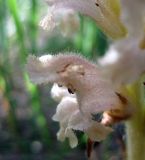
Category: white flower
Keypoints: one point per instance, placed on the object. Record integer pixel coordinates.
(94, 93)
(105, 13)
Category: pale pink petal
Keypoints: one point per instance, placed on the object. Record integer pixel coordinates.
(73, 141)
(59, 92)
(95, 131)
(98, 132)
(65, 108)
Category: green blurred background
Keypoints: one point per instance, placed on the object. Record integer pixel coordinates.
(26, 129)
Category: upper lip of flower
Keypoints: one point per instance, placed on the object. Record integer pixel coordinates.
(105, 13)
(76, 73)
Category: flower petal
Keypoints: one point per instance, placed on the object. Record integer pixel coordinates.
(73, 141)
(98, 132)
(133, 15)
(61, 134)
(59, 92)
(38, 70)
(65, 109)
(104, 12)
(64, 133)
(95, 131)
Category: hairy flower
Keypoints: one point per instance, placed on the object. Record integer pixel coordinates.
(106, 13)
(94, 93)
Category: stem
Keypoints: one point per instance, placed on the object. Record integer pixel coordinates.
(135, 139)
(135, 129)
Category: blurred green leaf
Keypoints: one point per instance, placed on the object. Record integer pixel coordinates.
(13, 7)
(3, 29)
(33, 25)
(38, 114)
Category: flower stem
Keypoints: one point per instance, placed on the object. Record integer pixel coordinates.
(135, 127)
(135, 140)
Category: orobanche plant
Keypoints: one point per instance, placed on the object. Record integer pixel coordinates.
(113, 86)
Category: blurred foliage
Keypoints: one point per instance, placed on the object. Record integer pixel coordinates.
(26, 128)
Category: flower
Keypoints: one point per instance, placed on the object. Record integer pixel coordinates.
(105, 13)
(76, 112)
